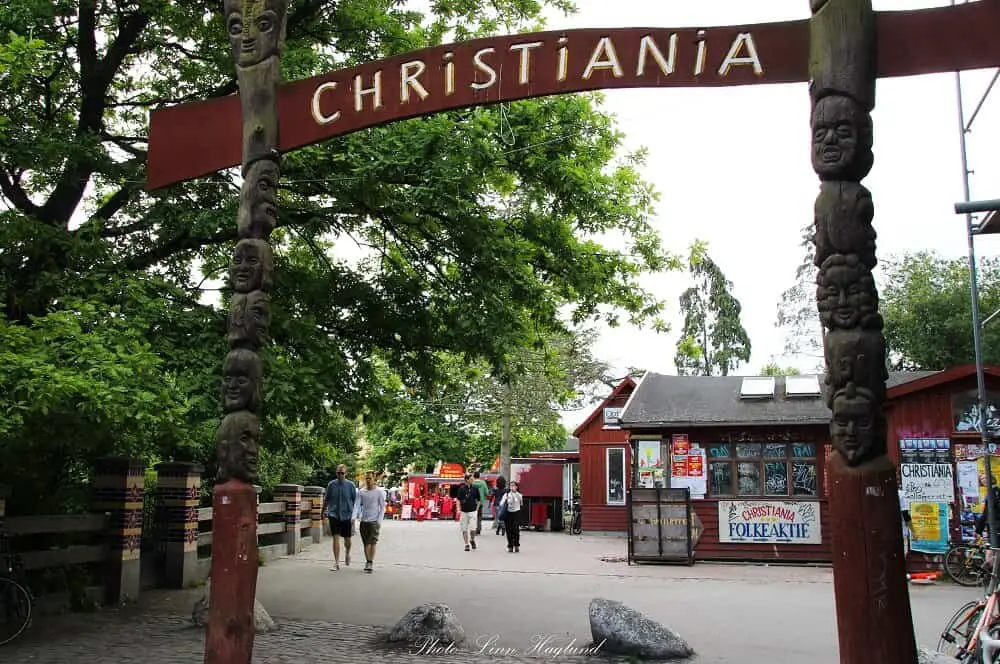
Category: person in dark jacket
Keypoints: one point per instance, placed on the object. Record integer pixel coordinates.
(983, 520)
(498, 491)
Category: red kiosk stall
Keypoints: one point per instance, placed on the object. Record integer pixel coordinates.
(545, 479)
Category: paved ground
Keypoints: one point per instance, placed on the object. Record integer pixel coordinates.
(729, 613)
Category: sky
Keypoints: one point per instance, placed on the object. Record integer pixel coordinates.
(732, 168)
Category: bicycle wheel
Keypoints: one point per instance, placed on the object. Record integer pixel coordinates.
(959, 630)
(964, 565)
(15, 610)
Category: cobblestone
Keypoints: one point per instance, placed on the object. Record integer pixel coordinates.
(134, 637)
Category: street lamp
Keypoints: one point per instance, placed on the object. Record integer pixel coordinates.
(990, 225)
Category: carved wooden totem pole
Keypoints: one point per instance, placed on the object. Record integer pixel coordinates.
(257, 32)
(873, 608)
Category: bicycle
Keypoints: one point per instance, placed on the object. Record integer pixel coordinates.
(15, 600)
(971, 633)
(966, 564)
(576, 527)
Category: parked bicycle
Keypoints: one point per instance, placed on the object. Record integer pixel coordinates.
(15, 600)
(576, 526)
(966, 564)
(970, 636)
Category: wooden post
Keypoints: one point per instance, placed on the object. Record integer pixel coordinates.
(873, 609)
(256, 31)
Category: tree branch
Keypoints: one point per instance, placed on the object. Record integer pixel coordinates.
(15, 194)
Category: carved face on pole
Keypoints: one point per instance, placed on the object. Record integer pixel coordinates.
(842, 139)
(249, 316)
(844, 213)
(845, 294)
(258, 199)
(238, 444)
(242, 374)
(853, 427)
(252, 266)
(256, 29)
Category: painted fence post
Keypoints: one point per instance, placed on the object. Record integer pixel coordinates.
(291, 495)
(315, 497)
(118, 492)
(178, 496)
(873, 608)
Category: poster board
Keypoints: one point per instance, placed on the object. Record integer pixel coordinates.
(650, 465)
(929, 527)
(688, 463)
(661, 525)
(769, 522)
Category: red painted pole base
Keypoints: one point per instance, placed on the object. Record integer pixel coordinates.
(234, 574)
(874, 622)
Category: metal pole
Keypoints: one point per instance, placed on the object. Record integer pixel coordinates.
(977, 339)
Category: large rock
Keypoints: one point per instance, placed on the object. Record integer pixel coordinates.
(262, 621)
(428, 623)
(619, 629)
(928, 656)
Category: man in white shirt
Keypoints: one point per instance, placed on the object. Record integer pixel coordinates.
(370, 509)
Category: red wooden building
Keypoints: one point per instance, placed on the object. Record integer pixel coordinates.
(605, 456)
(934, 437)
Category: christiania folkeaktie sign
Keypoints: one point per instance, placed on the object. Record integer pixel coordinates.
(194, 139)
(769, 522)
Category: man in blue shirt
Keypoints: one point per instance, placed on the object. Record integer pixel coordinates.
(339, 503)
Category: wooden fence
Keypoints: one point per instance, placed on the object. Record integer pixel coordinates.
(105, 551)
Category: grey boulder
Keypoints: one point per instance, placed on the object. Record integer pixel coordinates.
(927, 656)
(262, 621)
(433, 622)
(621, 630)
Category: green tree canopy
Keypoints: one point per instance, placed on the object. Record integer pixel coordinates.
(926, 303)
(773, 369)
(474, 227)
(713, 338)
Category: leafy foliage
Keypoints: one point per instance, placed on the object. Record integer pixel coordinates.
(452, 236)
(926, 303)
(772, 369)
(713, 338)
(797, 313)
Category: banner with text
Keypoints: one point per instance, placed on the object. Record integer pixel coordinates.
(928, 482)
(769, 522)
(929, 527)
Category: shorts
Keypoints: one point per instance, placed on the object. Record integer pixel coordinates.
(369, 532)
(338, 527)
(467, 522)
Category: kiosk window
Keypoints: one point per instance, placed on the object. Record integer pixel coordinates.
(762, 469)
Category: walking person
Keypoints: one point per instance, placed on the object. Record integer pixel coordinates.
(468, 505)
(338, 505)
(370, 510)
(498, 491)
(484, 492)
(512, 502)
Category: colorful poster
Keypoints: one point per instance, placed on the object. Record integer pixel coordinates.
(688, 471)
(680, 444)
(929, 526)
(649, 454)
(928, 482)
(769, 521)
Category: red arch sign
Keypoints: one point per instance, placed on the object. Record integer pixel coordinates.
(195, 139)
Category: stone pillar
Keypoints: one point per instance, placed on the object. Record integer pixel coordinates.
(315, 495)
(291, 495)
(118, 489)
(178, 495)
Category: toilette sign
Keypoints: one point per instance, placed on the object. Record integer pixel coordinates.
(191, 140)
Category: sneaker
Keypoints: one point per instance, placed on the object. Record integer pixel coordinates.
(510, 550)
(336, 566)
(368, 567)
(517, 549)
(466, 547)
(473, 543)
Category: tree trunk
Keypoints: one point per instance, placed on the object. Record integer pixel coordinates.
(505, 442)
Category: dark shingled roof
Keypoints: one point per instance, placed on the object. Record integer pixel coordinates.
(661, 400)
